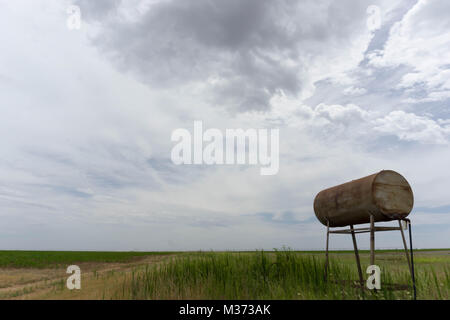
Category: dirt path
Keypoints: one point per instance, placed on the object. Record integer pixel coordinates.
(51, 283)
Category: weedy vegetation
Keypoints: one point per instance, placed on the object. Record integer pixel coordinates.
(277, 275)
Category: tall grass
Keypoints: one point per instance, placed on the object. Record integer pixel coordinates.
(268, 275)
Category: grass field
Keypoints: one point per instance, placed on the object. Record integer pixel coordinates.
(43, 259)
(280, 274)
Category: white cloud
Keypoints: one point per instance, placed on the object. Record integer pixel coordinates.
(354, 91)
(354, 122)
(410, 127)
(420, 41)
(347, 115)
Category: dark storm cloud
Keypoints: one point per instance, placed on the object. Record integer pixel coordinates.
(242, 52)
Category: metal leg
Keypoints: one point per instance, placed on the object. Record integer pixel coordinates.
(326, 252)
(412, 260)
(372, 230)
(404, 245)
(372, 240)
(358, 263)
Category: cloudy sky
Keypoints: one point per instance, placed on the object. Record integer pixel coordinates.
(86, 117)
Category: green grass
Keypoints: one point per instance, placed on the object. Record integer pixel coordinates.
(279, 274)
(275, 275)
(44, 259)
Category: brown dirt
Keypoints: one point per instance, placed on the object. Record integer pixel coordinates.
(28, 283)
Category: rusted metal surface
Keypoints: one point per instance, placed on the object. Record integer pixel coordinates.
(386, 195)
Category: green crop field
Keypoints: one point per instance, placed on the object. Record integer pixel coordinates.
(44, 259)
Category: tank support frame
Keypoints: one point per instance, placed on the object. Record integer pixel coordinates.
(372, 229)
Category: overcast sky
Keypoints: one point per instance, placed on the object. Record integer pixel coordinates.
(86, 117)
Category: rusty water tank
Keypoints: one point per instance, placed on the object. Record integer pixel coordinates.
(386, 195)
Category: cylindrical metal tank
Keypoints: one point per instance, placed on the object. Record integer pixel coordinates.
(386, 195)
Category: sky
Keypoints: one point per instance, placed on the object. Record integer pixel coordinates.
(86, 117)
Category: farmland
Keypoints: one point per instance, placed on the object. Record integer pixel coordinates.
(280, 274)
(42, 259)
